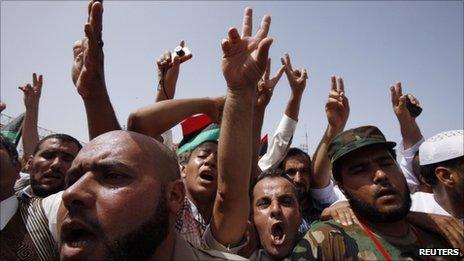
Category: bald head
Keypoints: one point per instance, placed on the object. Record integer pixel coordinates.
(120, 187)
(134, 149)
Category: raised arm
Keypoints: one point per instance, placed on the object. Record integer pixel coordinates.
(411, 135)
(410, 131)
(297, 81)
(281, 140)
(89, 77)
(243, 64)
(154, 119)
(265, 90)
(168, 73)
(337, 110)
(30, 133)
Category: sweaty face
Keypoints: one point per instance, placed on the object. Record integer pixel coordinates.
(375, 185)
(49, 166)
(298, 168)
(276, 215)
(115, 204)
(201, 173)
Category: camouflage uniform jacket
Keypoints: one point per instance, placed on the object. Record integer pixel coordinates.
(329, 240)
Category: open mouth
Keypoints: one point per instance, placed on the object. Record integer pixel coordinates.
(206, 175)
(277, 234)
(76, 236)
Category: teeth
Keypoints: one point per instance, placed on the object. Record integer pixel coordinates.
(78, 244)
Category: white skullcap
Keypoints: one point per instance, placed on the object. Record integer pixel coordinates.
(441, 147)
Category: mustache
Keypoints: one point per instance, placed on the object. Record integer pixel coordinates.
(82, 216)
(53, 174)
(381, 191)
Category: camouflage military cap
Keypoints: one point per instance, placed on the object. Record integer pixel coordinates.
(354, 139)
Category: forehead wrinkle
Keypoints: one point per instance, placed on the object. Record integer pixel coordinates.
(274, 187)
(145, 151)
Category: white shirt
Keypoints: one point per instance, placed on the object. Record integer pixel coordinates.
(329, 194)
(50, 205)
(425, 202)
(8, 208)
(405, 158)
(279, 144)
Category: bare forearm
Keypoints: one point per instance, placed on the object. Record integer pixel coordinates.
(101, 117)
(231, 208)
(321, 162)
(410, 132)
(258, 118)
(293, 106)
(154, 119)
(162, 92)
(30, 133)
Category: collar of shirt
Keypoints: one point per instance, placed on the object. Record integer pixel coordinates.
(26, 193)
(195, 213)
(8, 208)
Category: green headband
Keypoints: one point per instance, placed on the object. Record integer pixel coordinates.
(209, 135)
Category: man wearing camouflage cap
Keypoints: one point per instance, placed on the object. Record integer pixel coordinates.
(364, 166)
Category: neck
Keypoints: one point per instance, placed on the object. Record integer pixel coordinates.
(449, 201)
(392, 229)
(425, 188)
(204, 207)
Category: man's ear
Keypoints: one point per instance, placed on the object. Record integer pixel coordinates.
(183, 173)
(444, 175)
(28, 165)
(175, 195)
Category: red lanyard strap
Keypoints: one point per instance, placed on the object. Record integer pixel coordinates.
(376, 241)
(381, 248)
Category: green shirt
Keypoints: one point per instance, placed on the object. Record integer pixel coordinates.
(329, 240)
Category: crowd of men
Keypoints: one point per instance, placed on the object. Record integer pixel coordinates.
(220, 193)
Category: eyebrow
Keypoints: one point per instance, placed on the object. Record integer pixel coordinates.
(51, 150)
(379, 158)
(286, 195)
(102, 166)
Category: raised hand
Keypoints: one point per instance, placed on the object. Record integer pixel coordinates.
(32, 93)
(337, 107)
(88, 67)
(266, 86)
(168, 71)
(296, 78)
(399, 102)
(245, 57)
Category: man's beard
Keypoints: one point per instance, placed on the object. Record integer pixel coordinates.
(142, 242)
(372, 214)
(42, 192)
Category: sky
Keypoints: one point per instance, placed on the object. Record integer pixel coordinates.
(371, 45)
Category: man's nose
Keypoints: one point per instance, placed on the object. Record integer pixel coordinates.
(380, 176)
(79, 194)
(211, 160)
(276, 210)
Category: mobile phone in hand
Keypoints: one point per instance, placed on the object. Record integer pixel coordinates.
(414, 110)
(184, 53)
